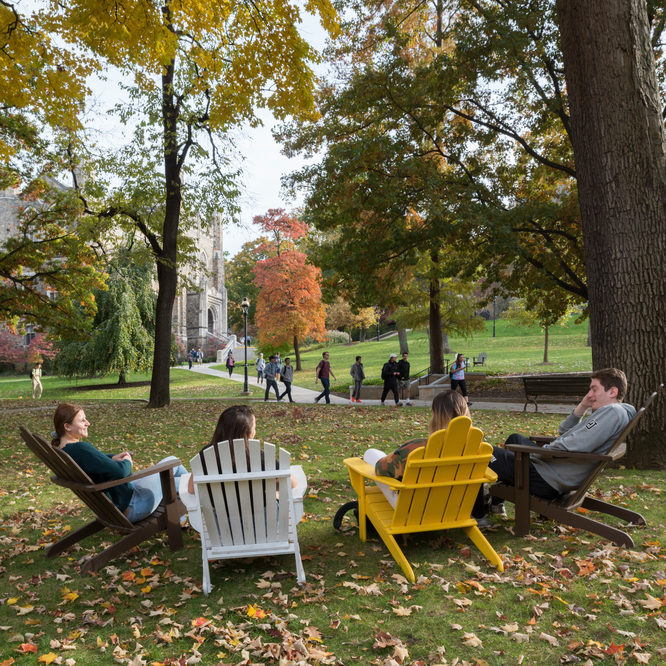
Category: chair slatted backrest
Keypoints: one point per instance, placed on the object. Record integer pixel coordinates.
(619, 446)
(64, 467)
(239, 503)
(456, 457)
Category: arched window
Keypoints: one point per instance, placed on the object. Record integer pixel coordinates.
(211, 321)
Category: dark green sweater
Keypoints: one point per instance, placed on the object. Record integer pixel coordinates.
(100, 468)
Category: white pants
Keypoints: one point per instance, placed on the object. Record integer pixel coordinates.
(371, 456)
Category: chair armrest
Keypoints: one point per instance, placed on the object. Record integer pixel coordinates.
(555, 453)
(98, 487)
(542, 439)
(368, 471)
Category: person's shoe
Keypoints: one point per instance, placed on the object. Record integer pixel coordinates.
(469, 404)
(383, 404)
(357, 400)
(279, 399)
(353, 399)
(482, 523)
(498, 510)
(265, 399)
(408, 404)
(316, 401)
(398, 404)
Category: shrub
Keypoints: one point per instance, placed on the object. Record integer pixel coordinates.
(337, 337)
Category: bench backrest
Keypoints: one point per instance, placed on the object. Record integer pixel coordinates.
(619, 446)
(64, 468)
(557, 385)
(446, 476)
(238, 502)
(482, 357)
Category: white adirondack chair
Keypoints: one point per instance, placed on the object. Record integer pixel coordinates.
(237, 513)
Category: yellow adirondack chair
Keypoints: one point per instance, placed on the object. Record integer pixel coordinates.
(437, 491)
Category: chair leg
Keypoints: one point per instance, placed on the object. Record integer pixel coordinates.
(73, 538)
(129, 541)
(300, 572)
(173, 512)
(594, 504)
(474, 533)
(394, 549)
(206, 571)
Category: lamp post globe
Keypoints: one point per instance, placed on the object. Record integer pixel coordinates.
(245, 306)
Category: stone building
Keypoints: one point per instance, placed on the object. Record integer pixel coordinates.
(200, 317)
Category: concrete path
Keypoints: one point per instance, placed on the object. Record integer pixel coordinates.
(307, 396)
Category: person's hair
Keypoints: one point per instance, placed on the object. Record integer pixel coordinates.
(235, 422)
(65, 413)
(287, 359)
(459, 356)
(445, 407)
(271, 357)
(612, 377)
(36, 364)
(324, 354)
(358, 358)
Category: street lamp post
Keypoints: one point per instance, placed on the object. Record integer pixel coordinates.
(379, 316)
(245, 306)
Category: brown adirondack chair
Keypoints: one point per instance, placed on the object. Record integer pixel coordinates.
(69, 475)
(564, 509)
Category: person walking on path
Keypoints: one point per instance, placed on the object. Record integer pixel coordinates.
(287, 377)
(260, 365)
(403, 379)
(358, 376)
(390, 374)
(230, 363)
(191, 357)
(36, 376)
(458, 376)
(278, 362)
(249, 340)
(271, 373)
(199, 357)
(324, 373)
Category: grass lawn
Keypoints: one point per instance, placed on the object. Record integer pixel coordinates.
(184, 385)
(565, 596)
(512, 351)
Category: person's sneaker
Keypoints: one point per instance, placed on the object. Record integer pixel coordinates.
(469, 404)
(408, 404)
(316, 401)
(357, 400)
(398, 404)
(383, 404)
(498, 510)
(482, 523)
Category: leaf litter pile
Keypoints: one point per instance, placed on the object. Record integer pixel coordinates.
(566, 596)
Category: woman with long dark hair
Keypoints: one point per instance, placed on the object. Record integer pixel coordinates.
(138, 499)
(458, 376)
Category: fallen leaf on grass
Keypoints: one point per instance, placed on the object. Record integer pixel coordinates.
(549, 639)
(471, 640)
(47, 658)
(27, 647)
(652, 603)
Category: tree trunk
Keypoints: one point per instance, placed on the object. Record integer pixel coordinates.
(589, 334)
(402, 339)
(122, 380)
(167, 270)
(446, 345)
(545, 346)
(362, 334)
(436, 349)
(617, 134)
(297, 354)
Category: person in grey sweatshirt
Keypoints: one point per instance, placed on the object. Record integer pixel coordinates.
(358, 375)
(287, 376)
(594, 433)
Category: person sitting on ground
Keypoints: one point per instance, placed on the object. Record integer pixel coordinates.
(138, 499)
(390, 374)
(552, 477)
(445, 407)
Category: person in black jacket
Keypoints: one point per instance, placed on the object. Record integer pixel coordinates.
(390, 374)
(403, 380)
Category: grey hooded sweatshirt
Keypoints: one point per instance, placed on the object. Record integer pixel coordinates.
(592, 434)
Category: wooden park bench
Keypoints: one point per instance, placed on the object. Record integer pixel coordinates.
(538, 386)
(437, 491)
(573, 508)
(107, 515)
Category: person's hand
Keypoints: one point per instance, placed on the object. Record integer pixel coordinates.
(125, 455)
(583, 405)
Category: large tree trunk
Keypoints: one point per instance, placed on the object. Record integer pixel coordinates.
(297, 354)
(618, 139)
(589, 334)
(436, 349)
(446, 345)
(167, 266)
(402, 339)
(545, 346)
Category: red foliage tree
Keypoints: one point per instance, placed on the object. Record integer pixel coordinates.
(284, 229)
(11, 349)
(289, 305)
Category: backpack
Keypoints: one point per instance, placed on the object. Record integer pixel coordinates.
(345, 508)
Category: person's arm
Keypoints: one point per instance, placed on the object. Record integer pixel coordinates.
(317, 373)
(333, 374)
(393, 464)
(603, 425)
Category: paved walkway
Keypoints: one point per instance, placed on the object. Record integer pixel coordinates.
(307, 396)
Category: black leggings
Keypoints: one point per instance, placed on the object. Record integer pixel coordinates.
(455, 383)
(391, 387)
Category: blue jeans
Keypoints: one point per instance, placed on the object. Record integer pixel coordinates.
(147, 493)
(326, 383)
